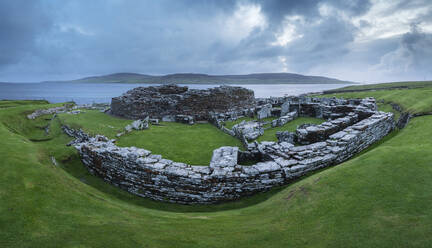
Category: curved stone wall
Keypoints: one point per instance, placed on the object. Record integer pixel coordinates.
(167, 102)
(148, 175)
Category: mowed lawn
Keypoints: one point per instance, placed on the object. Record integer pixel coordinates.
(381, 198)
(192, 144)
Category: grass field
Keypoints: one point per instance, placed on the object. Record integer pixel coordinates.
(192, 144)
(381, 198)
(414, 84)
(415, 101)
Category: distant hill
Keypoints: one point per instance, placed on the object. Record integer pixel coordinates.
(193, 78)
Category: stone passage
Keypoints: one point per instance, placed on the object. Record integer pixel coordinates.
(168, 102)
(356, 125)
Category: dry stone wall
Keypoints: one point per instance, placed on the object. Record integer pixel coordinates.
(172, 102)
(145, 174)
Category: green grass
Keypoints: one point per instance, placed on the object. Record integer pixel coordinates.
(381, 198)
(386, 107)
(8, 104)
(192, 144)
(95, 122)
(270, 134)
(415, 101)
(180, 142)
(413, 84)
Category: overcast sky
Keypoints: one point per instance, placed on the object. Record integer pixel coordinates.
(358, 40)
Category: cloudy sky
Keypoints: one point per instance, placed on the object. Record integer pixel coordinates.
(359, 40)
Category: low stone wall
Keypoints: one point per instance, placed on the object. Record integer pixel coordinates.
(148, 175)
(284, 119)
(314, 133)
(340, 113)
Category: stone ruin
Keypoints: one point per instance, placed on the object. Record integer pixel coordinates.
(177, 103)
(68, 108)
(352, 126)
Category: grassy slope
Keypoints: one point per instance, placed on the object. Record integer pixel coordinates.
(8, 104)
(412, 100)
(179, 142)
(381, 198)
(414, 84)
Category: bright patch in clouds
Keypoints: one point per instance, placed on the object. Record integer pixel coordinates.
(380, 23)
(244, 20)
(290, 31)
(74, 29)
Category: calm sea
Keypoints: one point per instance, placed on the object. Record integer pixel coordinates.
(102, 93)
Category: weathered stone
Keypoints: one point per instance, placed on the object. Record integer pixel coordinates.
(264, 111)
(250, 130)
(149, 175)
(284, 119)
(285, 108)
(286, 136)
(137, 125)
(167, 101)
(225, 156)
(185, 119)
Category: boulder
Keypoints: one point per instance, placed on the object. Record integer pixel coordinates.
(286, 136)
(138, 125)
(250, 130)
(264, 111)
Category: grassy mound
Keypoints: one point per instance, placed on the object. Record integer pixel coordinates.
(192, 144)
(415, 101)
(381, 198)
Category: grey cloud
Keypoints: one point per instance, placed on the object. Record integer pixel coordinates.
(276, 10)
(320, 44)
(73, 38)
(413, 57)
(21, 23)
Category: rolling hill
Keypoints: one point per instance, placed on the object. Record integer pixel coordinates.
(193, 78)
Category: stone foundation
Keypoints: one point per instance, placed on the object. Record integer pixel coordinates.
(148, 175)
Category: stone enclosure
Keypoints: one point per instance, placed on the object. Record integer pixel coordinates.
(352, 126)
(176, 103)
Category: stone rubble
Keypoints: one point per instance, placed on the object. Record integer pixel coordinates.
(287, 117)
(135, 125)
(286, 136)
(49, 111)
(249, 130)
(69, 108)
